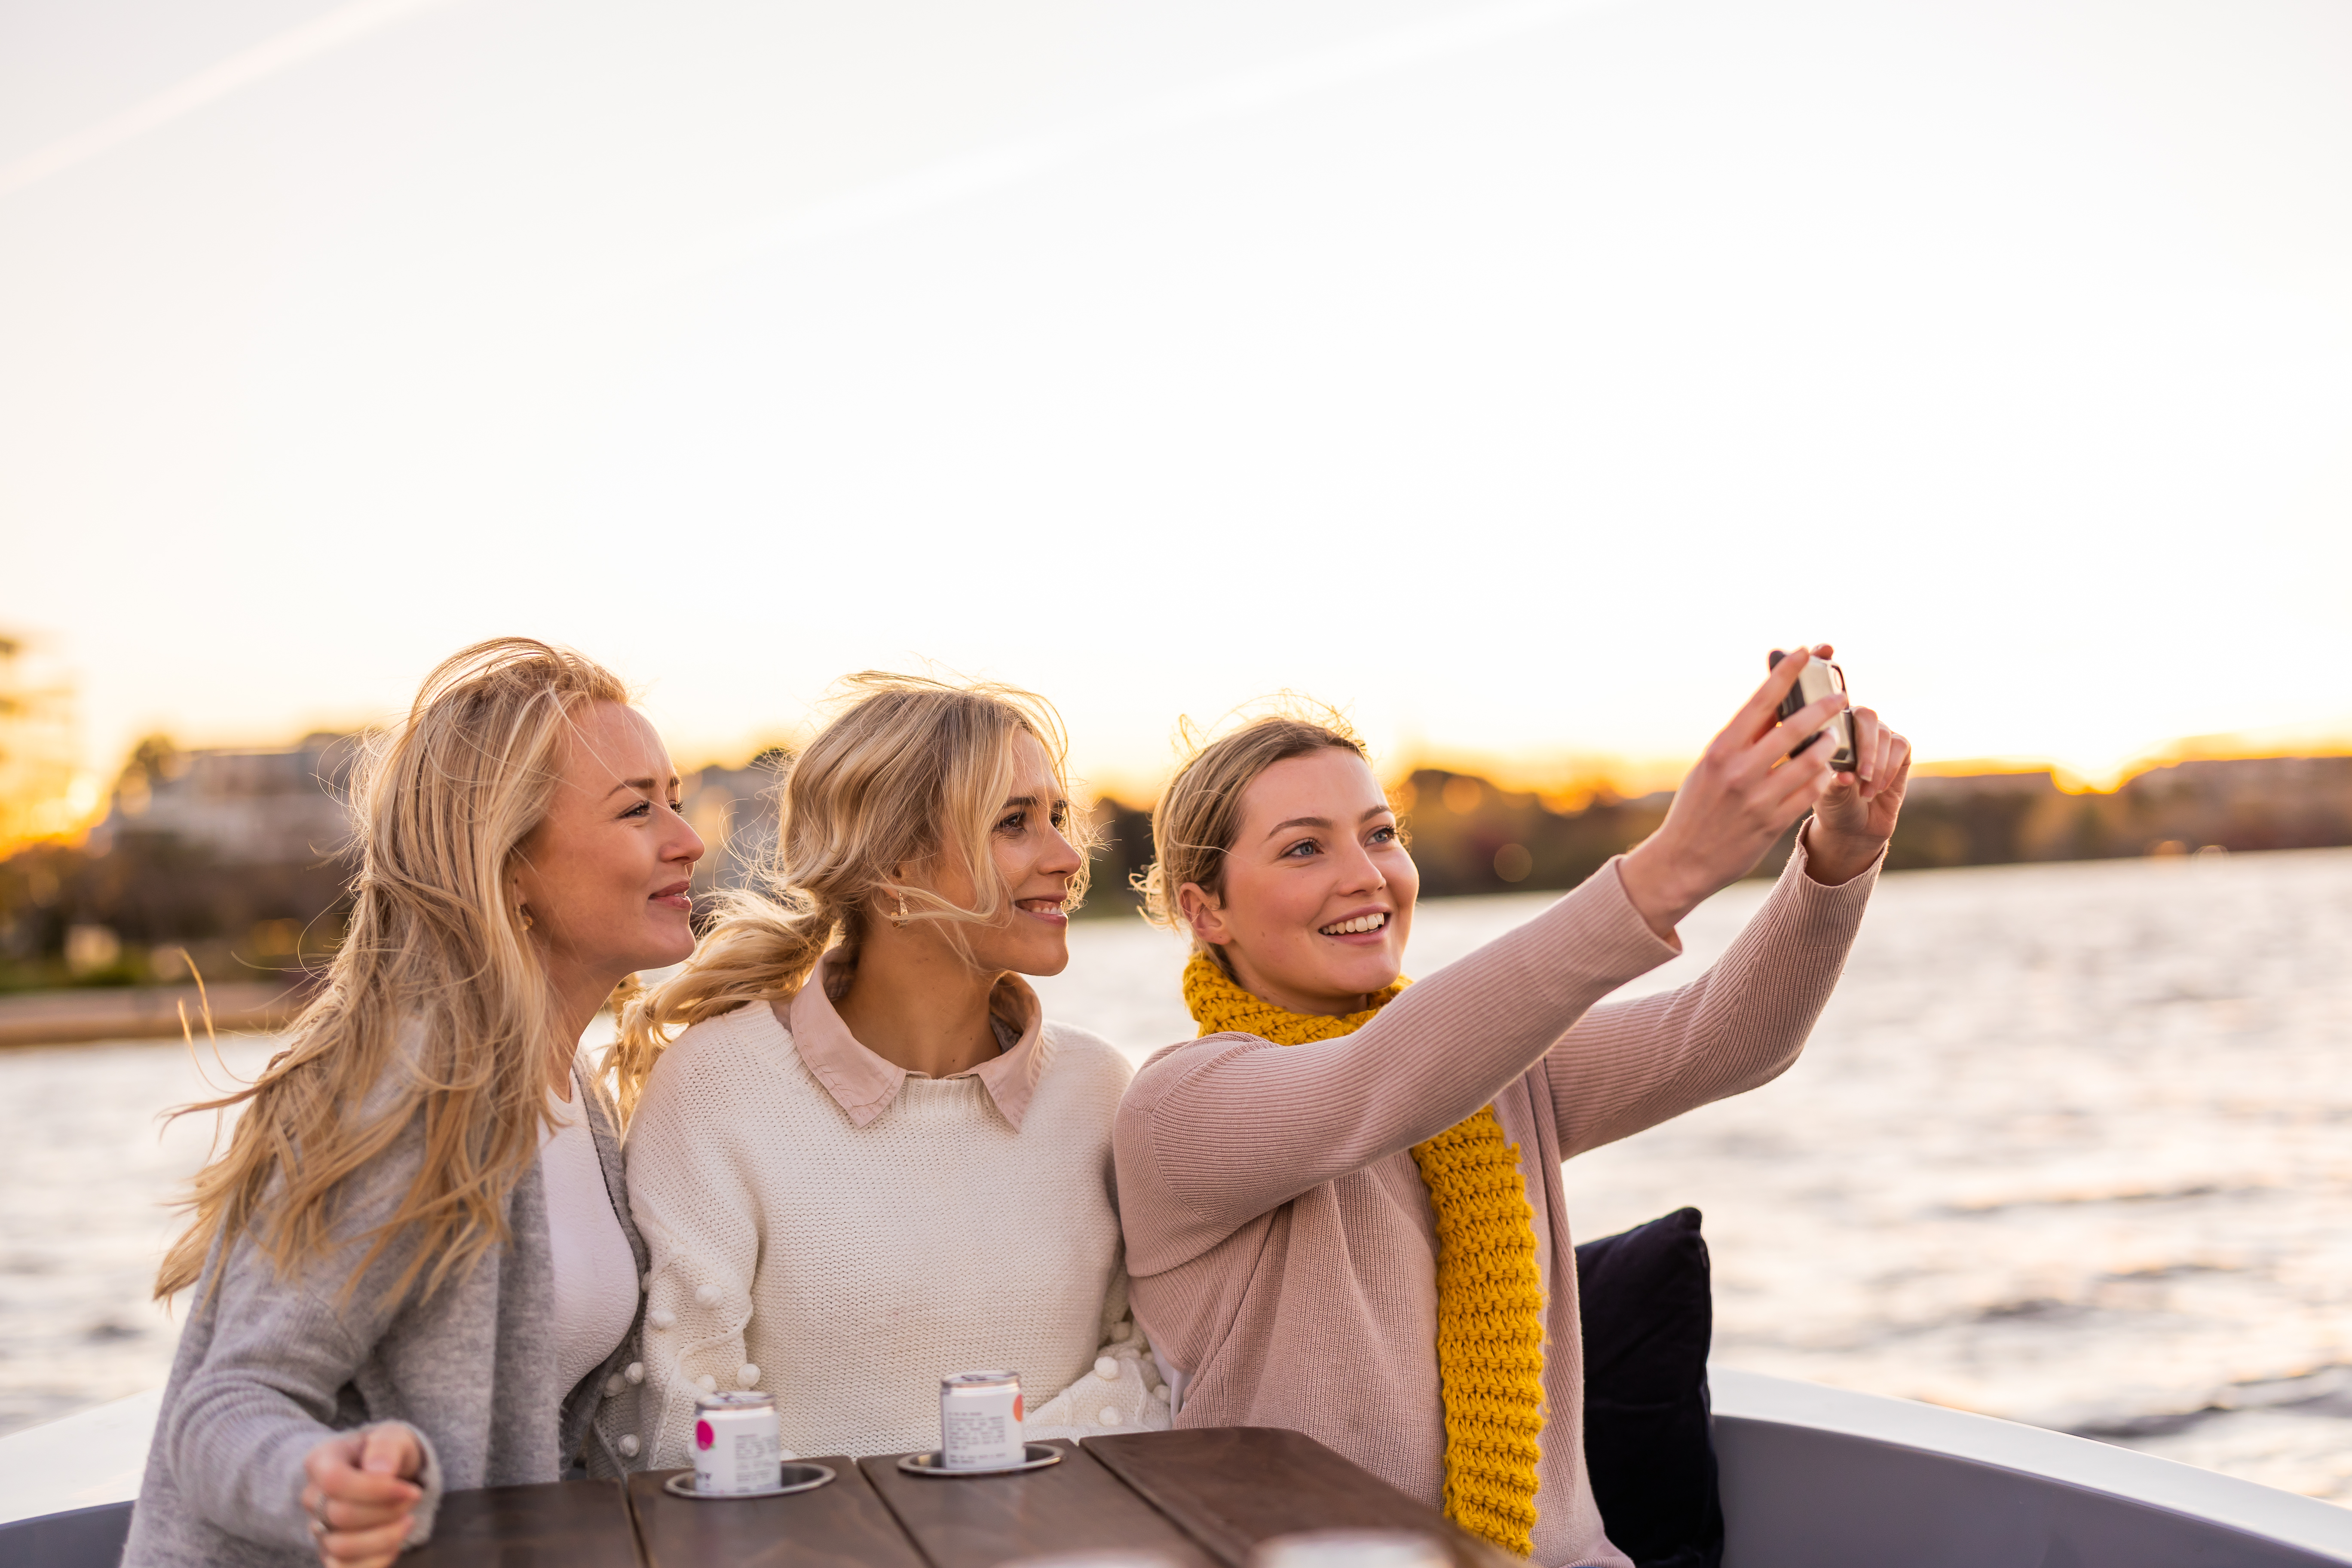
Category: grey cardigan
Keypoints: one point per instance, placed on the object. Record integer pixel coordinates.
(267, 1367)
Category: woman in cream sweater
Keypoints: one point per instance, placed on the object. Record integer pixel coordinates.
(869, 1162)
(1343, 1202)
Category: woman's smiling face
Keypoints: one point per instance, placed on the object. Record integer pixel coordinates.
(1035, 863)
(1317, 893)
(606, 876)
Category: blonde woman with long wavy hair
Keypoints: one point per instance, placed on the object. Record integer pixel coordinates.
(412, 1270)
(869, 1161)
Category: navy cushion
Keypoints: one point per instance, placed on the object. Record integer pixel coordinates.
(83, 1538)
(1648, 1312)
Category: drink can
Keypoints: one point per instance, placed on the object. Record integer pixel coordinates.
(1351, 1549)
(980, 1421)
(736, 1444)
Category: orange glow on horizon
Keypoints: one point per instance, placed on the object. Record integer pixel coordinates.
(1576, 786)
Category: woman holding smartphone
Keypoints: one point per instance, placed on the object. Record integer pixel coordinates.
(869, 1161)
(411, 1272)
(1343, 1203)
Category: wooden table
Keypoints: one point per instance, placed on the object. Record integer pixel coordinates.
(842, 1525)
(1199, 1499)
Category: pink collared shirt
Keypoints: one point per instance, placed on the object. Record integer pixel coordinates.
(863, 1085)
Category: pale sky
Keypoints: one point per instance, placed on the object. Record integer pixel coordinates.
(1514, 373)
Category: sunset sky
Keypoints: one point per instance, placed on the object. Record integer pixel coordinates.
(1515, 373)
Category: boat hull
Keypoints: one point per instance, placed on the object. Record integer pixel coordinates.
(1818, 1477)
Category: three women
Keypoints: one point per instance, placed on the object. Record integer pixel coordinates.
(869, 1157)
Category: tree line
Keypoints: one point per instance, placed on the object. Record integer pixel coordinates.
(174, 869)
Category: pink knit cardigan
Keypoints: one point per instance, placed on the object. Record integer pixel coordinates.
(1279, 1235)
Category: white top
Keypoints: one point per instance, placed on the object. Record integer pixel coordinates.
(845, 1234)
(595, 1273)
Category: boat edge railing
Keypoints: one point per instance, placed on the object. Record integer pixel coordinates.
(2288, 1518)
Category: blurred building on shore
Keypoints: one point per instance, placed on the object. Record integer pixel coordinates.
(236, 861)
(2240, 804)
(238, 808)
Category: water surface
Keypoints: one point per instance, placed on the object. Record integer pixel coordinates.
(2072, 1145)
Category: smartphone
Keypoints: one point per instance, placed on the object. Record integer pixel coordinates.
(1815, 682)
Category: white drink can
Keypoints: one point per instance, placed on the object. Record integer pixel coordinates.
(980, 1421)
(1351, 1549)
(736, 1444)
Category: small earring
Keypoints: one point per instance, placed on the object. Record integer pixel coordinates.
(901, 916)
(522, 913)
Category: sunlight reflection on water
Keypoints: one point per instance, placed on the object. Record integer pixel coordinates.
(2069, 1146)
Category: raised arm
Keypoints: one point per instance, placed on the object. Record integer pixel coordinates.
(1216, 1132)
(1633, 1064)
(1630, 1065)
(701, 1228)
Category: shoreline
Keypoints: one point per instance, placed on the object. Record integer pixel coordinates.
(145, 1011)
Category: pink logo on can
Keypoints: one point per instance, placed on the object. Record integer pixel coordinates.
(703, 1436)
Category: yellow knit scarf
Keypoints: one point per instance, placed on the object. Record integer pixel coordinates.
(1489, 1296)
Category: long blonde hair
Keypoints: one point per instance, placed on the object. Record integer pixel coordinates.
(1198, 814)
(434, 1007)
(909, 770)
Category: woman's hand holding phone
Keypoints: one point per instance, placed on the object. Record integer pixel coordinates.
(362, 1494)
(1854, 816)
(1747, 789)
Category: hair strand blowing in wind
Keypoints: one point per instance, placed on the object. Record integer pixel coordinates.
(434, 1008)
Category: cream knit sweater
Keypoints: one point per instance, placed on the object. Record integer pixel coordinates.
(845, 1268)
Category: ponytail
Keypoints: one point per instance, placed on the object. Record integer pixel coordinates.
(911, 769)
(760, 949)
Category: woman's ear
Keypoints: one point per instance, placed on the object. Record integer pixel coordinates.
(1205, 914)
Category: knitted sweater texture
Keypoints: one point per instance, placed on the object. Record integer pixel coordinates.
(847, 1269)
(270, 1366)
(1281, 1238)
(1489, 1291)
